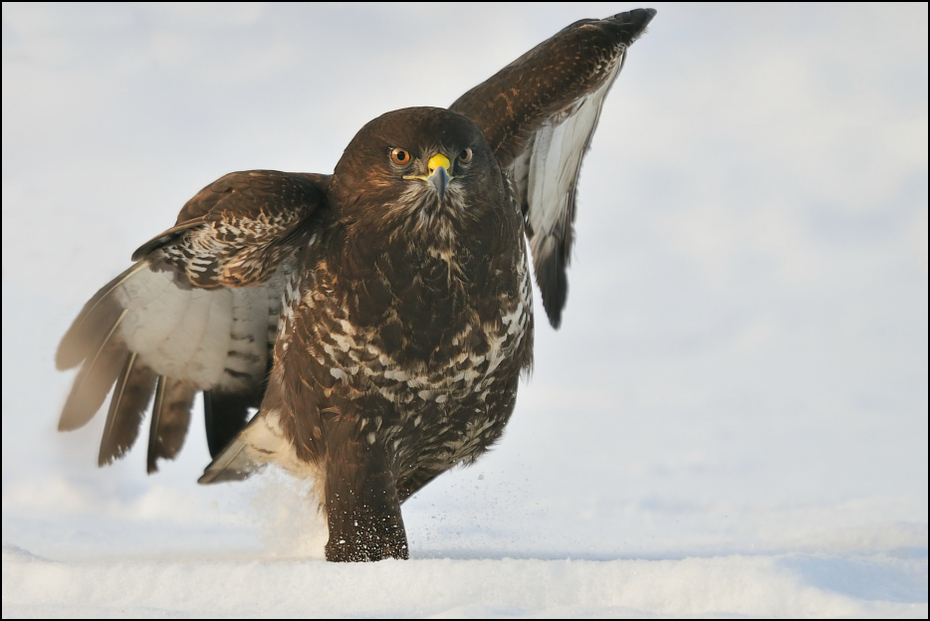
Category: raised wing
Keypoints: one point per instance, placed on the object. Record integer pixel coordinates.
(198, 312)
(538, 114)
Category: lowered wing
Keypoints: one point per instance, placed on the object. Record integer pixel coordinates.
(197, 312)
(538, 114)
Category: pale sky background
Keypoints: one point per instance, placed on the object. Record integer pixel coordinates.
(742, 366)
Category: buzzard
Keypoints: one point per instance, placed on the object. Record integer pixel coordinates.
(379, 318)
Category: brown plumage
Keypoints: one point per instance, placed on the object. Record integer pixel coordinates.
(379, 318)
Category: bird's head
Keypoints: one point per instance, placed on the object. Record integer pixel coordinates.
(421, 169)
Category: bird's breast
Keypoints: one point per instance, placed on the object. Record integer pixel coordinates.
(435, 324)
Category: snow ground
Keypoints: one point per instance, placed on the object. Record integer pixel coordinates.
(731, 422)
(782, 585)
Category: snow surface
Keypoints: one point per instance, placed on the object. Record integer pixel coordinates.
(731, 421)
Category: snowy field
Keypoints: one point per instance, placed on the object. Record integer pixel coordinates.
(731, 421)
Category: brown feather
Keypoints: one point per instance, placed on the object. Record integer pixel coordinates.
(93, 323)
(511, 105)
(171, 416)
(127, 409)
(94, 380)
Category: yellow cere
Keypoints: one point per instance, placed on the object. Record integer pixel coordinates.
(439, 160)
(434, 162)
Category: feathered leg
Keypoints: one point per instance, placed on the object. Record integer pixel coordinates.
(362, 506)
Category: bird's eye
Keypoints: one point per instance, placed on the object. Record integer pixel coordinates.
(400, 156)
(465, 155)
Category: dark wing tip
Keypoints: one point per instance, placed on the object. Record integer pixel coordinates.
(637, 18)
(171, 416)
(554, 301)
(226, 414)
(553, 283)
(627, 27)
(128, 404)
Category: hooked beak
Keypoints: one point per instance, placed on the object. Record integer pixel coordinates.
(438, 174)
(438, 177)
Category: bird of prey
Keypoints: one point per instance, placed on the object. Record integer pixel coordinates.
(378, 318)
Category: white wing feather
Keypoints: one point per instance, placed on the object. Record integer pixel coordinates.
(553, 162)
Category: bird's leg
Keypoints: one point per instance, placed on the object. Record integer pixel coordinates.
(362, 507)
